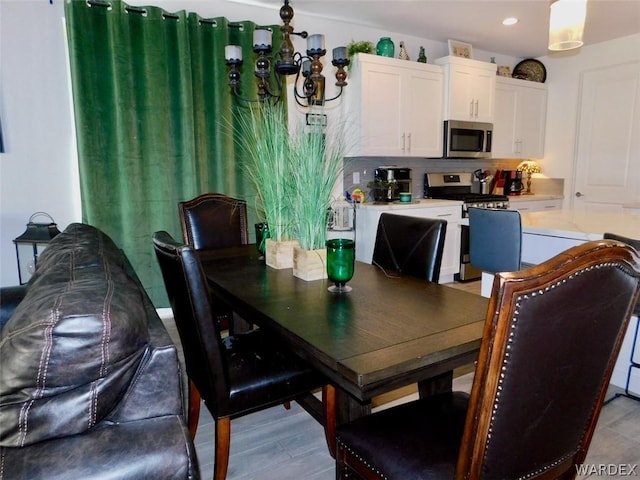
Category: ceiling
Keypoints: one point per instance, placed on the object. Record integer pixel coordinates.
(478, 22)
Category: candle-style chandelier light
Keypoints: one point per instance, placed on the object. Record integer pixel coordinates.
(289, 62)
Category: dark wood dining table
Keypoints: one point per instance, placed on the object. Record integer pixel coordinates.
(388, 332)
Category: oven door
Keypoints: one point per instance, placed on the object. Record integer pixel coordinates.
(467, 271)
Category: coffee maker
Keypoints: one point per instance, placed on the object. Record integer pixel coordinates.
(400, 175)
(512, 182)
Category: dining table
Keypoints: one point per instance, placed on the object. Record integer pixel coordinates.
(389, 331)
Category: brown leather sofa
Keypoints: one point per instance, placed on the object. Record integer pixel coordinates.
(90, 383)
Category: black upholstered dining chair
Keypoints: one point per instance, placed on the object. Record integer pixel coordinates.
(410, 245)
(235, 375)
(214, 220)
(211, 221)
(495, 239)
(634, 365)
(551, 337)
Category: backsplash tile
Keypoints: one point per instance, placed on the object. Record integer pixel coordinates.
(364, 166)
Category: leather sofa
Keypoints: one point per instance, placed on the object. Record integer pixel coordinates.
(90, 383)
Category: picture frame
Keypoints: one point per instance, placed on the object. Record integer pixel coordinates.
(460, 49)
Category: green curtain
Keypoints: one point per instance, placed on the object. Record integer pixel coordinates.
(153, 113)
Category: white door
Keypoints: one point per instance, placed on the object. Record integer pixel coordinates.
(607, 173)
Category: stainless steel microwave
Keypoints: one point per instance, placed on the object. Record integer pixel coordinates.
(467, 139)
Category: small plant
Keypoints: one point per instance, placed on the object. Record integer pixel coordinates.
(360, 47)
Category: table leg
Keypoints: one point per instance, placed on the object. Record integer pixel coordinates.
(442, 383)
(348, 408)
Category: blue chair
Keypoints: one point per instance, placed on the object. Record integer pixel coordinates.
(633, 364)
(495, 239)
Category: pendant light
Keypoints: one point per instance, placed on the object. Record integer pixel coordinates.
(566, 24)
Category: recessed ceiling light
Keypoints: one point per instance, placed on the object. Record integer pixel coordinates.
(510, 21)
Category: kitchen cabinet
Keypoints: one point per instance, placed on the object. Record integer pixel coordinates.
(469, 89)
(394, 108)
(367, 216)
(529, 203)
(520, 119)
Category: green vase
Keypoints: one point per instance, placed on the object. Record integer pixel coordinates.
(385, 47)
(340, 262)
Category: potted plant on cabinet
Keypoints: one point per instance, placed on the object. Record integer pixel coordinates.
(265, 142)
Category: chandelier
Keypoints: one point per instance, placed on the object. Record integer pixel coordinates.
(289, 62)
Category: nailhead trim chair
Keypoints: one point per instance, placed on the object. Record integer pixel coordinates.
(551, 338)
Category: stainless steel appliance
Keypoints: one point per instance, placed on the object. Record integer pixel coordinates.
(400, 175)
(458, 186)
(467, 139)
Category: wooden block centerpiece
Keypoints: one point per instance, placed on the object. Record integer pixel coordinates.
(310, 264)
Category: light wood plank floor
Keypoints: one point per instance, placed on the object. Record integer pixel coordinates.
(289, 444)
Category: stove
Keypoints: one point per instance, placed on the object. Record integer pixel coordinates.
(460, 186)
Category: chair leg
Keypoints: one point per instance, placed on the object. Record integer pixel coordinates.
(223, 440)
(194, 409)
(329, 410)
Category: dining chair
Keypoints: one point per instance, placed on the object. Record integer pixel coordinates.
(214, 220)
(410, 245)
(211, 221)
(550, 341)
(235, 375)
(495, 239)
(633, 363)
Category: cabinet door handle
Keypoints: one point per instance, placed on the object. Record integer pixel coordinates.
(403, 143)
(476, 115)
(471, 108)
(409, 142)
(444, 215)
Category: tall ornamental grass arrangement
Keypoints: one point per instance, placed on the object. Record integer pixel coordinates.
(318, 161)
(265, 142)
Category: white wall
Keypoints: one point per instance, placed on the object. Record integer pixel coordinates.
(563, 80)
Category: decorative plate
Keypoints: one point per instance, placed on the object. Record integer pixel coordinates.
(530, 69)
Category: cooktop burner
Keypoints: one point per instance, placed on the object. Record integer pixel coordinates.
(470, 197)
(458, 186)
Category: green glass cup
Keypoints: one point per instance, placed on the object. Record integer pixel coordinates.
(341, 256)
(262, 233)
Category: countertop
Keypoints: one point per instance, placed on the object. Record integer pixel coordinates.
(416, 203)
(580, 225)
(533, 198)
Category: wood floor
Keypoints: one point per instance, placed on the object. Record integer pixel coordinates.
(289, 444)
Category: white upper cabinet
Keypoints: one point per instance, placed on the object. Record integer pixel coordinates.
(394, 107)
(469, 89)
(520, 119)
